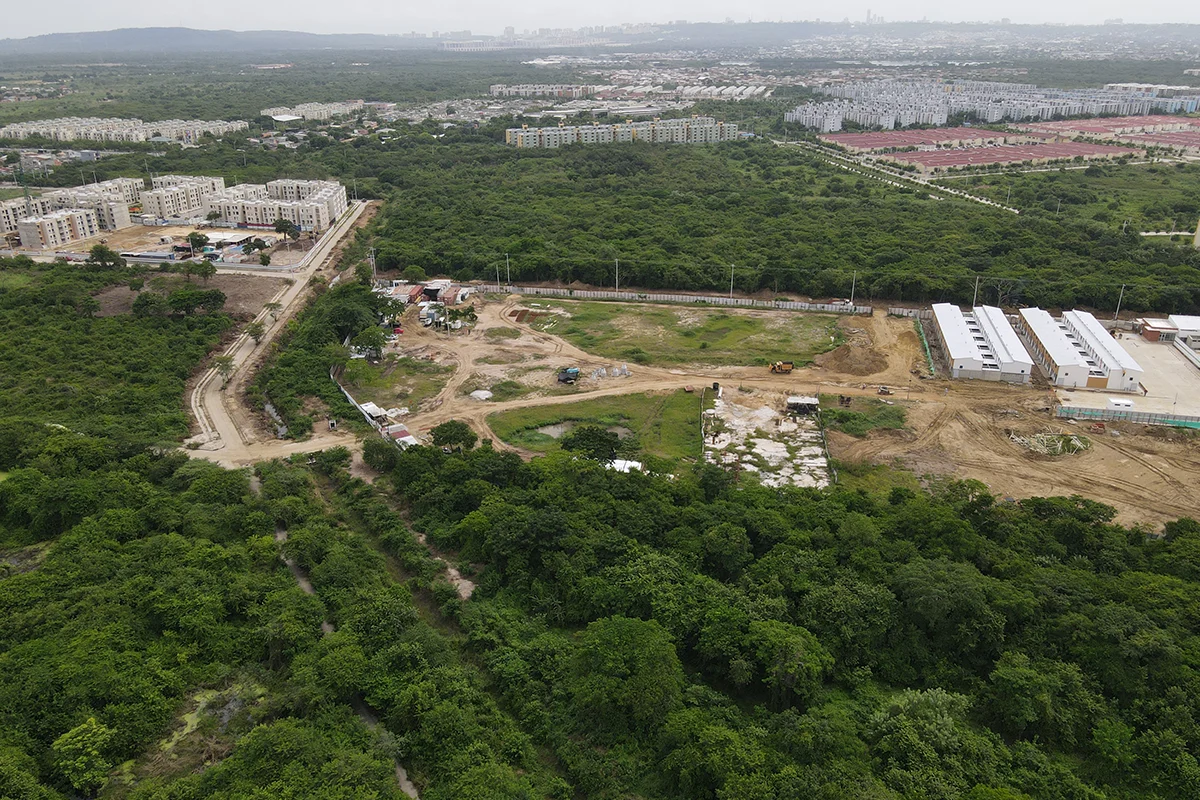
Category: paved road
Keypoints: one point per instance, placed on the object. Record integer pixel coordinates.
(220, 438)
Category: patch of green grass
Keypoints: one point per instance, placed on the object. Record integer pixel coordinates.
(501, 333)
(864, 415)
(645, 334)
(14, 280)
(397, 381)
(508, 390)
(9, 192)
(874, 478)
(666, 425)
(3, 475)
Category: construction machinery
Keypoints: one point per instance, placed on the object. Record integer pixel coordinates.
(884, 390)
(568, 375)
(783, 367)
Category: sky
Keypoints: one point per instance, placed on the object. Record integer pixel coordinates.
(488, 17)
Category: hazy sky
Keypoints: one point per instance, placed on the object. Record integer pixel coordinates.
(27, 18)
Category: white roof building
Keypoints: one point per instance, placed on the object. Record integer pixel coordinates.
(1078, 352)
(1188, 326)
(981, 344)
(1104, 353)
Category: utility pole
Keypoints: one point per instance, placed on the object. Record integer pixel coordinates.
(1009, 196)
(497, 274)
(371, 256)
(976, 295)
(1059, 207)
(617, 262)
(507, 270)
(853, 285)
(731, 281)
(1119, 299)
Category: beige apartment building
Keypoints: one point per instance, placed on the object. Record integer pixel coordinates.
(58, 228)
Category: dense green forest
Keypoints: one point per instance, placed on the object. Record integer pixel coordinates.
(693, 638)
(678, 217)
(155, 647)
(1152, 197)
(122, 377)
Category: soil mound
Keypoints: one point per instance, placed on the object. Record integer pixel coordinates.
(853, 360)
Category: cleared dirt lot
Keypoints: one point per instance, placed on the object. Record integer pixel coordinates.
(245, 294)
(955, 428)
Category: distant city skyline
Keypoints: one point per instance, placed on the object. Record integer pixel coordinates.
(372, 16)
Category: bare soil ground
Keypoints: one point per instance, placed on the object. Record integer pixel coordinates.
(955, 428)
(245, 294)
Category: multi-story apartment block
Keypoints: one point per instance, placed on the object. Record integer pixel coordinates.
(316, 111)
(180, 196)
(889, 104)
(58, 228)
(67, 129)
(17, 209)
(112, 212)
(696, 130)
(309, 205)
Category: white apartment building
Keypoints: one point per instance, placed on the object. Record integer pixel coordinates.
(1077, 351)
(316, 111)
(17, 209)
(112, 212)
(67, 129)
(179, 196)
(889, 104)
(58, 228)
(309, 205)
(696, 130)
(981, 344)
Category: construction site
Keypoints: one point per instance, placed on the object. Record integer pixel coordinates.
(518, 377)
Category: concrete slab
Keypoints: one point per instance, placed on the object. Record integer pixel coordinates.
(1173, 382)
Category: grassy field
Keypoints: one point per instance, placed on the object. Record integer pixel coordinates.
(644, 334)
(1152, 197)
(864, 415)
(396, 381)
(9, 192)
(14, 280)
(874, 478)
(666, 425)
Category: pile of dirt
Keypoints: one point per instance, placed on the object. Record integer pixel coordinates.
(853, 360)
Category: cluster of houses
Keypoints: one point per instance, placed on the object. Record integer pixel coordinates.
(430, 297)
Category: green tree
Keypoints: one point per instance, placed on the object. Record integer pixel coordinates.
(79, 756)
(151, 304)
(454, 433)
(104, 257)
(372, 340)
(626, 676)
(592, 441)
(197, 241)
(224, 366)
(256, 330)
(264, 259)
(205, 270)
(414, 274)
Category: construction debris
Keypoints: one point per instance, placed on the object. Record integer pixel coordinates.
(1051, 443)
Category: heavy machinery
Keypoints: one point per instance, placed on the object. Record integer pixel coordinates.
(568, 375)
(783, 367)
(884, 390)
